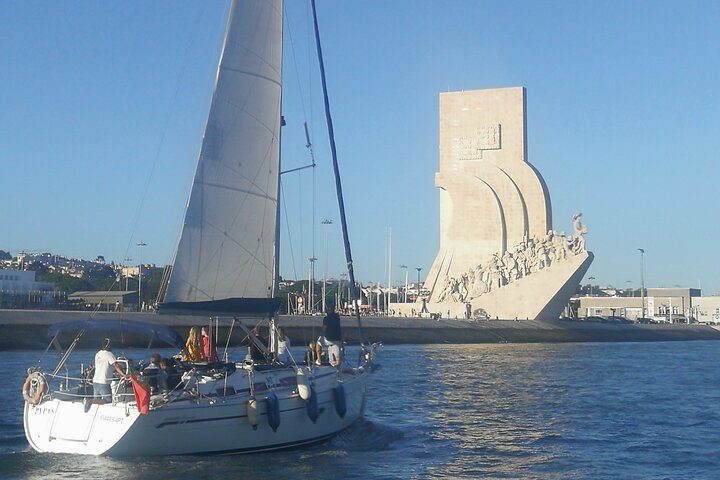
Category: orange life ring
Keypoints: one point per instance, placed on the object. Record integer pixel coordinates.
(34, 388)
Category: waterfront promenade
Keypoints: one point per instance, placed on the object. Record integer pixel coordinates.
(27, 329)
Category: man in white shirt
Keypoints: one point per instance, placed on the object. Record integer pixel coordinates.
(105, 362)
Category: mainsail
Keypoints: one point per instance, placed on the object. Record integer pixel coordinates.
(225, 257)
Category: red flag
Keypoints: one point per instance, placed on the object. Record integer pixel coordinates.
(142, 395)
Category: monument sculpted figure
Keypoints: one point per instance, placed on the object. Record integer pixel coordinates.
(578, 231)
(530, 256)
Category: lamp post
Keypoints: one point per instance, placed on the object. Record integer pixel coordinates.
(140, 244)
(405, 267)
(629, 282)
(311, 286)
(418, 283)
(326, 222)
(127, 261)
(343, 283)
(590, 279)
(642, 279)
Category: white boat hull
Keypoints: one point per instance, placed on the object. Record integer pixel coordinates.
(209, 425)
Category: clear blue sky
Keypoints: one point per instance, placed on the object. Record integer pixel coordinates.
(100, 99)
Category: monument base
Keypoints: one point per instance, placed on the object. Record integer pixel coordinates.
(540, 296)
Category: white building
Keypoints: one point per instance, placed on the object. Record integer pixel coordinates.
(662, 304)
(22, 282)
(707, 309)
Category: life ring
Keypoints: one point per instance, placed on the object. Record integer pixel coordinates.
(34, 388)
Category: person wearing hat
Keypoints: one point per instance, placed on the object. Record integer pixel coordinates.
(105, 362)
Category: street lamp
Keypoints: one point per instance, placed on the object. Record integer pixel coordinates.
(418, 283)
(405, 267)
(343, 283)
(642, 279)
(326, 222)
(590, 279)
(140, 244)
(127, 261)
(311, 286)
(629, 282)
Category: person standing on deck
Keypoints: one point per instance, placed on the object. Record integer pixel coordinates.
(105, 362)
(332, 333)
(209, 352)
(193, 347)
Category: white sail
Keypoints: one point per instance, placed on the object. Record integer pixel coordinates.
(227, 241)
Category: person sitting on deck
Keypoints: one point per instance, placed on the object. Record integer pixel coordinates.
(208, 346)
(314, 354)
(254, 352)
(310, 354)
(150, 373)
(168, 377)
(193, 348)
(320, 357)
(105, 362)
(283, 347)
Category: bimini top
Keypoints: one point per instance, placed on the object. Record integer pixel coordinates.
(151, 330)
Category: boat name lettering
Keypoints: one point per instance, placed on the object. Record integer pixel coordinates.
(44, 410)
(107, 418)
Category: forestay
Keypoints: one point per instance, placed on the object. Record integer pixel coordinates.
(224, 260)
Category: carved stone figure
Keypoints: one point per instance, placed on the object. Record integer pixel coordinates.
(561, 248)
(578, 231)
(529, 256)
(445, 290)
(543, 259)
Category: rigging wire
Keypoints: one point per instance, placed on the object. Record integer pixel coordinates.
(295, 64)
(156, 158)
(163, 135)
(287, 224)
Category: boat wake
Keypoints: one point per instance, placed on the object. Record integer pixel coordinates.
(367, 436)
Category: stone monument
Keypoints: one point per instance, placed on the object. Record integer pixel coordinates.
(499, 256)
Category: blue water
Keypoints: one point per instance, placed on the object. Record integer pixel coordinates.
(622, 410)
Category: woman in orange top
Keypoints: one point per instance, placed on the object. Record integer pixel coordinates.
(193, 347)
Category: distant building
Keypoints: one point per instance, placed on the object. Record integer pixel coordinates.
(707, 309)
(18, 289)
(117, 301)
(660, 303)
(20, 282)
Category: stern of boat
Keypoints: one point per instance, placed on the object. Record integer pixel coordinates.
(61, 426)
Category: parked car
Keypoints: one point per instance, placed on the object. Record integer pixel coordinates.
(616, 319)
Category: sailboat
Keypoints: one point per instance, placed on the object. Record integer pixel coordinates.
(226, 265)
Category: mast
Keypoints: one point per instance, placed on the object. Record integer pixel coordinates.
(275, 292)
(336, 170)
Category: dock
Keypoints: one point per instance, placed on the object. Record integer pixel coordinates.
(27, 329)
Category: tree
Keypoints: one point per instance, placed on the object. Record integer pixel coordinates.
(101, 277)
(38, 268)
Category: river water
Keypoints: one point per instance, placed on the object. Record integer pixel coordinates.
(613, 410)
